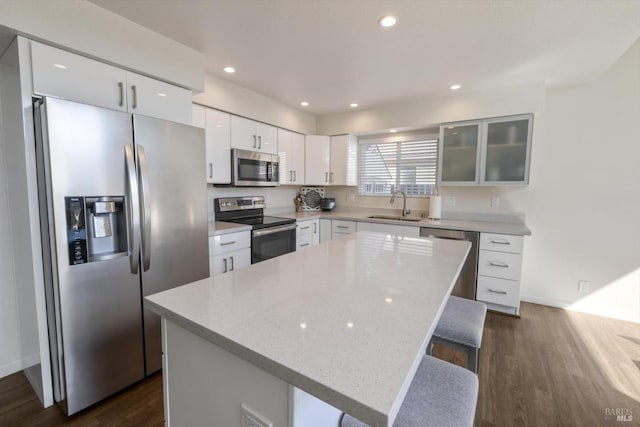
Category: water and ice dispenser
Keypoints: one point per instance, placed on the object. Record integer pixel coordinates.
(96, 228)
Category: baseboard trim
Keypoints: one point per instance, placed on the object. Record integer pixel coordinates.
(10, 368)
(567, 305)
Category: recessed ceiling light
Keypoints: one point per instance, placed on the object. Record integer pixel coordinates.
(393, 130)
(163, 95)
(388, 21)
(62, 67)
(455, 87)
(229, 70)
(353, 105)
(303, 325)
(388, 300)
(349, 324)
(304, 103)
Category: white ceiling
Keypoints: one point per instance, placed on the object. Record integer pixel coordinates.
(332, 52)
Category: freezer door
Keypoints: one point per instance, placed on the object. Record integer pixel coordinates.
(173, 200)
(96, 298)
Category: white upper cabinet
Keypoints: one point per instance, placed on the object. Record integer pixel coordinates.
(61, 74)
(291, 157)
(344, 160)
(218, 139)
(486, 152)
(317, 159)
(153, 98)
(198, 115)
(251, 135)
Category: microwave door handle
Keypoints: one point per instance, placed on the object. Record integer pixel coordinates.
(133, 209)
(145, 212)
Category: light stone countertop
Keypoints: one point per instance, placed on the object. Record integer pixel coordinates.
(483, 225)
(347, 321)
(217, 228)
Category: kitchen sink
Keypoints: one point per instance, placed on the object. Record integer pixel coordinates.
(394, 218)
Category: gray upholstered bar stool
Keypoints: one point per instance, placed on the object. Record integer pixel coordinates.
(441, 395)
(460, 327)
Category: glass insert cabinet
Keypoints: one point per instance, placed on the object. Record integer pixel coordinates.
(486, 152)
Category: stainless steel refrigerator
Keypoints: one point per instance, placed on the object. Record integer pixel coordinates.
(123, 208)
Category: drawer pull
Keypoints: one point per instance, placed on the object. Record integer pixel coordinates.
(227, 243)
(497, 291)
(231, 258)
(341, 226)
(305, 228)
(304, 244)
(500, 241)
(225, 265)
(498, 264)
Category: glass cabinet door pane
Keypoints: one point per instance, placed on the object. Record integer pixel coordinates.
(459, 153)
(506, 154)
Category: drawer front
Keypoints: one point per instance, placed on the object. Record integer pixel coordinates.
(343, 227)
(498, 291)
(501, 242)
(229, 242)
(304, 227)
(499, 264)
(304, 241)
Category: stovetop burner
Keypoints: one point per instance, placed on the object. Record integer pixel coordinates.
(247, 211)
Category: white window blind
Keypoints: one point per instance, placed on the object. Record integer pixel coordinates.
(408, 166)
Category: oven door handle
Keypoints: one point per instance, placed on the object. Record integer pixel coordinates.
(264, 232)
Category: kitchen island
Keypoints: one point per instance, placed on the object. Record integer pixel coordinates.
(341, 325)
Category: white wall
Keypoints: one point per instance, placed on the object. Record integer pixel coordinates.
(83, 27)
(583, 201)
(420, 114)
(235, 99)
(10, 359)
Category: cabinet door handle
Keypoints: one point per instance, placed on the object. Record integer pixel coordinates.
(225, 264)
(303, 245)
(326, 177)
(259, 142)
(135, 97)
(290, 176)
(121, 90)
(330, 177)
(498, 264)
(500, 241)
(210, 170)
(295, 175)
(231, 258)
(255, 143)
(305, 228)
(315, 228)
(227, 243)
(497, 291)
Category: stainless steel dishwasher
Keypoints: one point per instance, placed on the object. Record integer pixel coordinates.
(465, 287)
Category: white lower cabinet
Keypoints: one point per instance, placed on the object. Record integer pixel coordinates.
(307, 234)
(398, 230)
(341, 228)
(229, 252)
(499, 271)
(325, 230)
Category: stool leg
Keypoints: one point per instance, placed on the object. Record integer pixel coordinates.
(472, 359)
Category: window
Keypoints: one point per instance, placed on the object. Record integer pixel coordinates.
(402, 163)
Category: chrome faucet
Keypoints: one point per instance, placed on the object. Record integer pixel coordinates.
(405, 211)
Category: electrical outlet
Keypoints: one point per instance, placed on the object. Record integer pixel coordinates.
(584, 286)
(251, 418)
(450, 201)
(495, 202)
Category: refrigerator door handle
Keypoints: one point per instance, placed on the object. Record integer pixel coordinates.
(145, 212)
(134, 209)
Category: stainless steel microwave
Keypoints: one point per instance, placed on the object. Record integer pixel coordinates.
(253, 169)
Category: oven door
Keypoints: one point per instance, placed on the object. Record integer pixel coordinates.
(251, 168)
(272, 242)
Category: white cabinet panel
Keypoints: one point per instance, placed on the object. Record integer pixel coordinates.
(341, 228)
(398, 230)
(291, 157)
(251, 135)
(317, 159)
(304, 241)
(61, 74)
(153, 98)
(218, 139)
(344, 160)
(229, 242)
(325, 230)
(198, 115)
(501, 242)
(315, 234)
(498, 291)
(307, 233)
(230, 261)
(499, 264)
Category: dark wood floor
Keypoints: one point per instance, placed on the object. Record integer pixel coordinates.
(551, 367)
